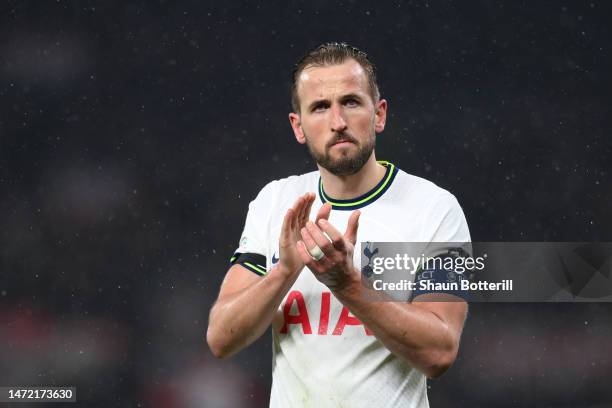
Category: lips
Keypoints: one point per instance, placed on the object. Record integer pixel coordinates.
(342, 143)
(342, 140)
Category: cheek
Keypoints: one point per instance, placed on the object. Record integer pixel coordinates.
(314, 127)
(362, 121)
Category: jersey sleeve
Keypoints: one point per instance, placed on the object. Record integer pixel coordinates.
(448, 224)
(251, 252)
(447, 221)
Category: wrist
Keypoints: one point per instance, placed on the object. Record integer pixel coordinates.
(351, 286)
(281, 270)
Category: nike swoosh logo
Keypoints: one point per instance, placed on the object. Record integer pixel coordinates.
(274, 258)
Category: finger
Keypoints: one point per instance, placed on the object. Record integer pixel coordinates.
(286, 228)
(308, 240)
(320, 239)
(337, 239)
(314, 266)
(310, 200)
(351, 228)
(299, 204)
(324, 212)
(303, 253)
(297, 208)
(305, 210)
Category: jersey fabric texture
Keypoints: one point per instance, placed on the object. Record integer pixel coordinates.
(323, 355)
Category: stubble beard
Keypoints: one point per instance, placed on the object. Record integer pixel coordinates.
(348, 163)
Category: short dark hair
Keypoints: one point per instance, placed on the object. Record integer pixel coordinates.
(334, 53)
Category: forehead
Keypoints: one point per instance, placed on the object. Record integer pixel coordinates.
(331, 80)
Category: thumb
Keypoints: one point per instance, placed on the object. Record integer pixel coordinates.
(323, 213)
(351, 228)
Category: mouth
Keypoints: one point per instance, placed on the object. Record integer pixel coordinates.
(341, 140)
(342, 143)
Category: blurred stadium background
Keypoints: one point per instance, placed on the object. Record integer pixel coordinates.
(134, 134)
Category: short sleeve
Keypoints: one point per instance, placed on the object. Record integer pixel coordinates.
(251, 252)
(447, 221)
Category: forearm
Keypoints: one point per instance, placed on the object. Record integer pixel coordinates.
(412, 332)
(246, 306)
(239, 319)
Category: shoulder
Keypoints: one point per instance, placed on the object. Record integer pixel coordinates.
(276, 191)
(417, 189)
(438, 211)
(296, 182)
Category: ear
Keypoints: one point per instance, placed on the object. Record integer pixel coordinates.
(380, 116)
(296, 125)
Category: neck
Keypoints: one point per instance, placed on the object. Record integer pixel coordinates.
(347, 187)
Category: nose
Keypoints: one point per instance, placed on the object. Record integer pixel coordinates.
(338, 124)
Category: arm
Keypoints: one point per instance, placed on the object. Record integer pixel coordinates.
(246, 303)
(244, 308)
(426, 334)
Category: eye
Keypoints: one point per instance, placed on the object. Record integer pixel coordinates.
(320, 107)
(351, 102)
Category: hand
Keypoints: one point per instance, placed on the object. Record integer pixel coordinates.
(335, 269)
(295, 219)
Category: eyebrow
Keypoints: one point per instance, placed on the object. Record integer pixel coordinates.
(351, 96)
(317, 102)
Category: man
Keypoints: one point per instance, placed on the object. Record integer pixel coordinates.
(332, 346)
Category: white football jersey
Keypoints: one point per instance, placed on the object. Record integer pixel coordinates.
(323, 355)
